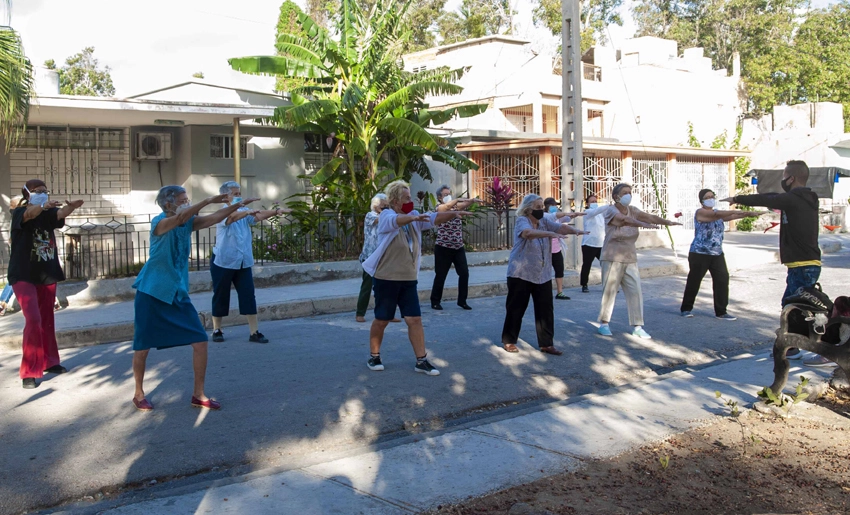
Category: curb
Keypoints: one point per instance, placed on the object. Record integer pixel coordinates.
(111, 333)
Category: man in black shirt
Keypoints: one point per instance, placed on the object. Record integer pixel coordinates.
(798, 230)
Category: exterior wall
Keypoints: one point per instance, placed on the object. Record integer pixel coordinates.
(147, 177)
(107, 197)
(270, 175)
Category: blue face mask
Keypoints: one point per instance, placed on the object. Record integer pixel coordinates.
(553, 209)
(235, 201)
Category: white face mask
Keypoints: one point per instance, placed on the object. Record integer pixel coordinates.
(183, 207)
(447, 199)
(709, 203)
(593, 205)
(626, 199)
(37, 199)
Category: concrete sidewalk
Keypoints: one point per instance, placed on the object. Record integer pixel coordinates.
(92, 324)
(423, 471)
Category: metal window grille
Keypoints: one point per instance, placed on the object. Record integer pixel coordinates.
(601, 173)
(642, 186)
(519, 119)
(591, 72)
(692, 175)
(550, 120)
(518, 169)
(221, 147)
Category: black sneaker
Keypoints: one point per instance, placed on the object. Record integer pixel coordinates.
(465, 306)
(423, 367)
(56, 369)
(258, 338)
(437, 306)
(30, 383)
(585, 289)
(218, 336)
(375, 364)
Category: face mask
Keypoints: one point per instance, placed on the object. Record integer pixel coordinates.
(785, 185)
(709, 203)
(183, 207)
(407, 208)
(37, 199)
(626, 199)
(553, 209)
(235, 201)
(593, 205)
(537, 213)
(447, 199)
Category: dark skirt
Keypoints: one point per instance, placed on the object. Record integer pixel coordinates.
(160, 325)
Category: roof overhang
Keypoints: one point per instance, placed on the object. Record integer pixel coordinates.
(120, 112)
(842, 144)
(598, 145)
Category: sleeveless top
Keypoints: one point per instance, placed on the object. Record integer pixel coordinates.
(708, 237)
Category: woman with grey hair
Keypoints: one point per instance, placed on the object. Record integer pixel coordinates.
(232, 259)
(370, 243)
(165, 316)
(619, 258)
(448, 249)
(530, 274)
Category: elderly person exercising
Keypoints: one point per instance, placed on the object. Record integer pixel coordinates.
(370, 243)
(530, 274)
(34, 271)
(449, 250)
(619, 258)
(232, 259)
(394, 267)
(165, 316)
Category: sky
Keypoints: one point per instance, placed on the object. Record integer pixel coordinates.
(150, 44)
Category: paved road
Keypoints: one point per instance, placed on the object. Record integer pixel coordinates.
(309, 391)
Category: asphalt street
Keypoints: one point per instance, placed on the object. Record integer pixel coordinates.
(308, 392)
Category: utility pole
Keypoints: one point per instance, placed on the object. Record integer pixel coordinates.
(572, 162)
(237, 149)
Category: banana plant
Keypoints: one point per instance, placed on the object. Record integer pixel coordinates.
(16, 84)
(358, 91)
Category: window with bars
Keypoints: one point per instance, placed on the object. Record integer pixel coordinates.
(595, 126)
(519, 119)
(72, 138)
(221, 147)
(550, 120)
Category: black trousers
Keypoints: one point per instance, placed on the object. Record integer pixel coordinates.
(716, 266)
(519, 292)
(588, 254)
(444, 258)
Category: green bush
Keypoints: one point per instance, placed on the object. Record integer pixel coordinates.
(746, 224)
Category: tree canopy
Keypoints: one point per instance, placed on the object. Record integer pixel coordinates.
(596, 15)
(81, 75)
(16, 85)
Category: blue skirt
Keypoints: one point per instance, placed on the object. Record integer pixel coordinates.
(160, 325)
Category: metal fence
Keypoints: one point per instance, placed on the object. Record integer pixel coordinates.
(107, 247)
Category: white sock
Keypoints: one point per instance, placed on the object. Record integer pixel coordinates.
(603, 324)
(638, 328)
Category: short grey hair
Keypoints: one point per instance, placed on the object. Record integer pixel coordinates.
(619, 188)
(229, 185)
(524, 208)
(168, 195)
(443, 187)
(376, 200)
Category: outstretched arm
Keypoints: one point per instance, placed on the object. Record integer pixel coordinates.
(69, 207)
(444, 216)
(459, 203)
(268, 213)
(179, 219)
(621, 220)
(727, 216)
(202, 222)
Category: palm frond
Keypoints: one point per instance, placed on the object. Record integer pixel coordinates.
(465, 111)
(17, 86)
(326, 172)
(309, 112)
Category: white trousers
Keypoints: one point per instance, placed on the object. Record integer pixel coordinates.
(627, 275)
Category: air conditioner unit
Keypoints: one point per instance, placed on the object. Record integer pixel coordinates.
(153, 146)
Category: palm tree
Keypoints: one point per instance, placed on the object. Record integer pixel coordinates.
(359, 92)
(16, 83)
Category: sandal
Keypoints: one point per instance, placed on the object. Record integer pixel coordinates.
(142, 405)
(510, 347)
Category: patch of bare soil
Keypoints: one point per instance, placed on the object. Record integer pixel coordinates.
(755, 464)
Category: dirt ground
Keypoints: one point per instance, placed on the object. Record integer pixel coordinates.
(755, 464)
